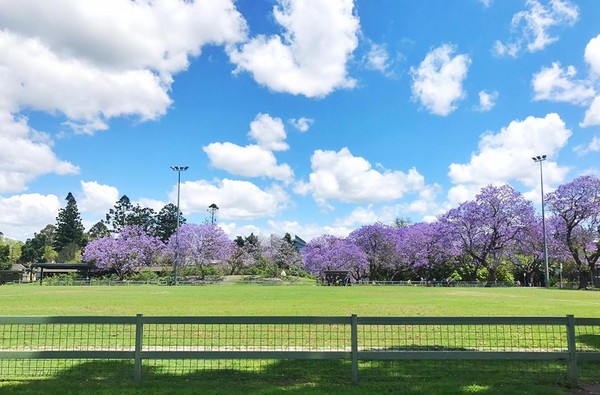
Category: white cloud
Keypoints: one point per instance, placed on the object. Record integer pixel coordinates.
(305, 231)
(377, 58)
(592, 146)
(506, 156)
(236, 199)
(437, 83)
(592, 55)
(302, 124)
(592, 115)
(347, 178)
(559, 85)
(531, 27)
(97, 198)
(486, 3)
(254, 160)
(248, 161)
(487, 100)
(310, 57)
(124, 53)
(268, 132)
(23, 215)
(25, 154)
(92, 61)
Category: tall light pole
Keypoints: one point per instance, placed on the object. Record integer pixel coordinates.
(539, 159)
(178, 169)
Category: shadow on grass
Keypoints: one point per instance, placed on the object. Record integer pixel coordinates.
(592, 341)
(307, 377)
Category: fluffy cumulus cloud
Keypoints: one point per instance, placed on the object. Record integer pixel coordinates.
(592, 146)
(559, 85)
(237, 200)
(487, 100)
(302, 124)
(592, 55)
(248, 161)
(377, 58)
(23, 215)
(255, 160)
(92, 61)
(438, 81)
(96, 198)
(532, 27)
(506, 156)
(592, 115)
(268, 132)
(311, 56)
(592, 58)
(123, 53)
(25, 154)
(351, 179)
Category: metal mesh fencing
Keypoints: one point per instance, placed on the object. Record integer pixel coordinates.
(463, 334)
(33, 347)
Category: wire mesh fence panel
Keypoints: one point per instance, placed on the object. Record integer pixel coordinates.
(269, 335)
(37, 347)
(44, 346)
(248, 342)
(480, 336)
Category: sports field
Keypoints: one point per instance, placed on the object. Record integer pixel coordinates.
(306, 299)
(298, 377)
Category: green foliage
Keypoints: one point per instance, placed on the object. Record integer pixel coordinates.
(61, 279)
(98, 230)
(69, 228)
(166, 221)
(482, 274)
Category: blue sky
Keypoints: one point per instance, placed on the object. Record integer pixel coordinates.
(306, 117)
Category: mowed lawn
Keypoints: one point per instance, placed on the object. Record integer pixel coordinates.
(304, 377)
(308, 299)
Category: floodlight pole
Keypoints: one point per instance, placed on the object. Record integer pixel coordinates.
(539, 159)
(178, 169)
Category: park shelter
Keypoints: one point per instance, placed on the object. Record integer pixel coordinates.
(60, 268)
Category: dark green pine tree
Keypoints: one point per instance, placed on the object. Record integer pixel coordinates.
(117, 217)
(69, 229)
(166, 221)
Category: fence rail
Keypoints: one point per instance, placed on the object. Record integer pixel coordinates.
(145, 339)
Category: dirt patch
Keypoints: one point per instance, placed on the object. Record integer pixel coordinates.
(587, 389)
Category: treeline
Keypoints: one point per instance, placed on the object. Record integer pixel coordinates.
(495, 237)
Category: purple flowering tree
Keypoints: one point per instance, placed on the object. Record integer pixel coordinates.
(201, 246)
(130, 251)
(379, 242)
(333, 253)
(426, 249)
(282, 256)
(486, 228)
(577, 207)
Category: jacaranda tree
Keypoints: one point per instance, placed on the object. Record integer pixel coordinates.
(131, 250)
(577, 206)
(333, 253)
(200, 246)
(485, 228)
(379, 243)
(426, 250)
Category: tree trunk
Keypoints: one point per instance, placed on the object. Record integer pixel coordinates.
(584, 277)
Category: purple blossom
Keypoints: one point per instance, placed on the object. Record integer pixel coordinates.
(486, 228)
(132, 250)
(380, 244)
(333, 253)
(201, 245)
(576, 206)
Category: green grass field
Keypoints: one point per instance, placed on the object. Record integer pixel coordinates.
(238, 299)
(299, 377)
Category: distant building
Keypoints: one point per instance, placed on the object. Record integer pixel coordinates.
(299, 243)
